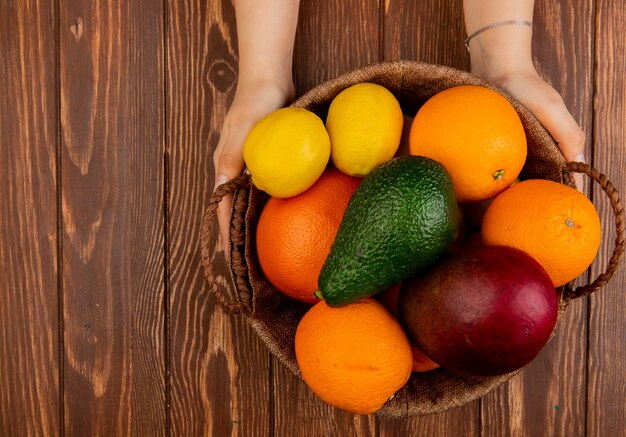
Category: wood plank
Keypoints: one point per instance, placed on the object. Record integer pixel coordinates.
(462, 421)
(606, 398)
(219, 374)
(111, 57)
(332, 38)
(429, 31)
(298, 412)
(29, 328)
(546, 398)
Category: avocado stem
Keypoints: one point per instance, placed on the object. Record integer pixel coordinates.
(318, 294)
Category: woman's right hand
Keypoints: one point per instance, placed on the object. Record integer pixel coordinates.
(254, 99)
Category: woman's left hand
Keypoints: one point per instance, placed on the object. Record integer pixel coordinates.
(500, 53)
(546, 104)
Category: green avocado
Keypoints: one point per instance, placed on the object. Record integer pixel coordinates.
(401, 219)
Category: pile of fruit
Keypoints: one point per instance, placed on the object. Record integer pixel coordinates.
(439, 257)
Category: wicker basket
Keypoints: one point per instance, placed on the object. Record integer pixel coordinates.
(275, 317)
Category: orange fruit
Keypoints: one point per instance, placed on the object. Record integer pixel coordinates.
(389, 299)
(354, 357)
(421, 363)
(294, 234)
(555, 224)
(476, 134)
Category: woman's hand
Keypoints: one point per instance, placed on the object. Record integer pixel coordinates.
(266, 31)
(253, 101)
(547, 105)
(500, 53)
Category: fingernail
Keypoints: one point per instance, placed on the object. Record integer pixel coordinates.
(580, 158)
(579, 181)
(219, 181)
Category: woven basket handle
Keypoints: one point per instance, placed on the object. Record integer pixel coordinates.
(616, 204)
(205, 236)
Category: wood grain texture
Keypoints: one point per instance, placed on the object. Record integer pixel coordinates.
(546, 398)
(219, 374)
(332, 38)
(429, 31)
(116, 125)
(606, 403)
(458, 422)
(111, 57)
(29, 329)
(299, 412)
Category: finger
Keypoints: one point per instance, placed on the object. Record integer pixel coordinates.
(223, 217)
(568, 135)
(554, 116)
(579, 180)
(225, 205)
(229, 164)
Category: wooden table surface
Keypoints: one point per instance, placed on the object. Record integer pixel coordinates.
(109, 114)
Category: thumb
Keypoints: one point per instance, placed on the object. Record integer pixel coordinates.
(228, 156)
(554, 116)
(228, 162)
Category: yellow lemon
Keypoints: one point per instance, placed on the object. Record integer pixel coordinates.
(287, 151)
(365, 125)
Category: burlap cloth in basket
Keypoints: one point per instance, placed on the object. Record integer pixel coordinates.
(275, 317)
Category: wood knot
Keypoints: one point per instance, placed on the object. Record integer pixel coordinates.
(222, 75)
(77, 28)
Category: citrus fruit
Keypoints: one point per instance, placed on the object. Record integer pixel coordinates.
(555, 224)
(476, 134)
(389, 299)
(421, 363)
(294, 235)
(354, 357)
(287, 151)
(365, 125)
